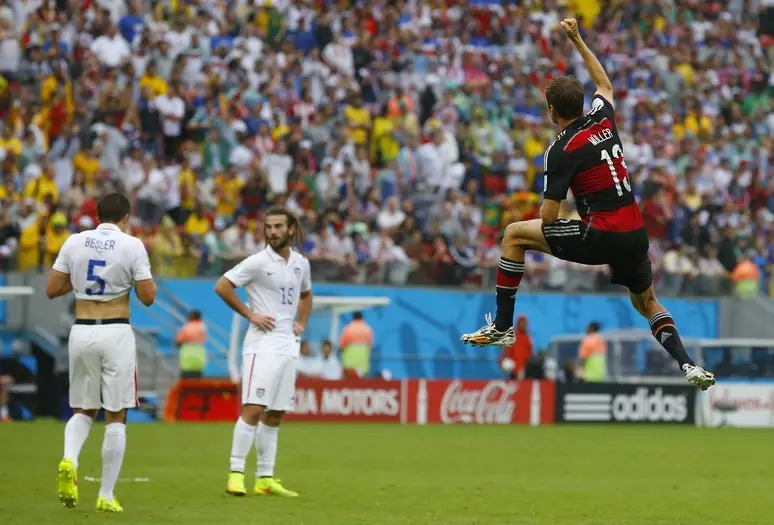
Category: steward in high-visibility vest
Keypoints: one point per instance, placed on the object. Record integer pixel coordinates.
(191, 338)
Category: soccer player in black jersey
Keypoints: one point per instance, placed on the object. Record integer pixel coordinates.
(587, 158)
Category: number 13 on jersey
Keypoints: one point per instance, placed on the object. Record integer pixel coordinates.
(617, 154)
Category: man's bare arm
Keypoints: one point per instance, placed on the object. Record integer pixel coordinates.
(227, 291)
(594, 67)
(58, 284)
(304, 308)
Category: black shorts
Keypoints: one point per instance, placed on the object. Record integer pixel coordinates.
(625, 252)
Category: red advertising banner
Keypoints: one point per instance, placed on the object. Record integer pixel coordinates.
(482, 402)
(351, 400)
(417, 401)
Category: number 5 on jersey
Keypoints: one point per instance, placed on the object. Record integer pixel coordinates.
(617, 154)
(98, 288)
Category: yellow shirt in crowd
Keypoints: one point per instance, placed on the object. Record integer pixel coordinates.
(532, 148)
(155, 83)
(12, 145)
(187, 182)
(39, 188)
(358, 117)
(55, 239)
(228, 190)
(28, 255)
(197, 225)
(88, 166)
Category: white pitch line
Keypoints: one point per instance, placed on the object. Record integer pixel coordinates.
(123, 480)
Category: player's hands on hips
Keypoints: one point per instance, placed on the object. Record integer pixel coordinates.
(298, 328)
(570, 25)
(264, 322)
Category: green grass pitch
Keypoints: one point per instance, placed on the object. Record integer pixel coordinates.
(390, 474)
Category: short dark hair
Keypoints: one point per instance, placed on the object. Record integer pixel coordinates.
(357, 315)
(593, 326)
(113, 207)
(565, 94)
(194, 315)
(292, 221)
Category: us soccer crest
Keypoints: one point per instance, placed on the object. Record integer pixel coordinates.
(260, 391)
(297, 271)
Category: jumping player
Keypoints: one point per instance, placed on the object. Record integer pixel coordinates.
(586, 157)
(101, 266)
(279, 292)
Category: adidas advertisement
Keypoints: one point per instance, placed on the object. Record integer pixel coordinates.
(625, 403)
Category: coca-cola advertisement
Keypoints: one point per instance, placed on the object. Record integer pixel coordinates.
(481, 402)
(355, 400)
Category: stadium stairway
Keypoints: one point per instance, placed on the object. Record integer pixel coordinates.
(162, 321)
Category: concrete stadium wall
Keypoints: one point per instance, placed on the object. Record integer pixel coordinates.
(746, 318)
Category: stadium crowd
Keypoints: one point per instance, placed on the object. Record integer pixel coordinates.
(406, 134)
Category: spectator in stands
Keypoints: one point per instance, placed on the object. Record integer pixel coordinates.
(9, 242)
(678, 268)
(56, 235)
(290, 101)
(191, 340)
(167, 249)
(520, 351)
(593, 355)
(309, 364)
(331, 365)
(746, 277)
(714, 277)
(355, 344)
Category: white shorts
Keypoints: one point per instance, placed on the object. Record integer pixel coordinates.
(103, 367)
(269, 377)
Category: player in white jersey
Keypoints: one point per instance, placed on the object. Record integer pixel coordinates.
(101, 266)
(279, 293)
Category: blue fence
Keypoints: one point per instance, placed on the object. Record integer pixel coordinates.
(418, 333)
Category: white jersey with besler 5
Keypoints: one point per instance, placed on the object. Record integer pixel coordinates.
(103, 263)
(273, 287)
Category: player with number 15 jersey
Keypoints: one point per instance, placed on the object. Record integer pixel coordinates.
(279, 293)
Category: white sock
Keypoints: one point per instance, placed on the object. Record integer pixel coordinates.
(266, 446)
(76, 431)
(3, 411)
(113, 448)
(240, 445)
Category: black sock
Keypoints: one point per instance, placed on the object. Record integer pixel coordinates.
(664, 330)
(509, 274)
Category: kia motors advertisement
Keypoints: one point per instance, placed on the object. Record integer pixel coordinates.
(738, 405)
(624, 403)
(359, 400)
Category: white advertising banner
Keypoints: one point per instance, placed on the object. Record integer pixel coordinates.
(738, 405)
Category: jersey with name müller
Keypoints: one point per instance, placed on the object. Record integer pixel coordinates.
(273, 288)
(103, 263)
(587, 157)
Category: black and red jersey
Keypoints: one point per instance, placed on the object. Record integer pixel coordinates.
(587, 158)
